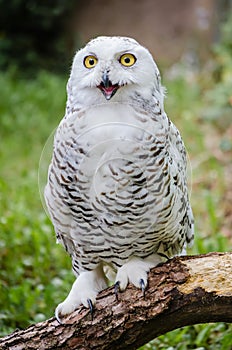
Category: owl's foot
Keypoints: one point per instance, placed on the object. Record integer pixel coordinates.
(84, 291)
(135, 271)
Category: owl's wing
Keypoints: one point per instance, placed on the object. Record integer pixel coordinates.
(179, 152)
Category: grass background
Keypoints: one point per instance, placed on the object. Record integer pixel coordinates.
(35, 273)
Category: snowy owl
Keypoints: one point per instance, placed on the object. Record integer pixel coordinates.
(116, 190)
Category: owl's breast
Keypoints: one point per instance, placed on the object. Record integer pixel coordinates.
(114, 153)
(109, 131)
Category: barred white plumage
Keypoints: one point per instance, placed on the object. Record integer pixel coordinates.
(116, 191)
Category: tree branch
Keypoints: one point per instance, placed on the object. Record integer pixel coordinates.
(183, 291)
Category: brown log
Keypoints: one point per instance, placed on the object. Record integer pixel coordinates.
(183, 291)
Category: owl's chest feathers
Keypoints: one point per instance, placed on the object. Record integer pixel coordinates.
(116, 162)
(108, 136)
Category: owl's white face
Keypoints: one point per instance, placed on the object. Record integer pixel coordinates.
(113, 69)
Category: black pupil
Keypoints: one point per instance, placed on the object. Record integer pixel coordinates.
(91, 61)
(127, 60)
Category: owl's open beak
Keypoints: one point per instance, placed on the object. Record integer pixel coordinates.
(106, 87)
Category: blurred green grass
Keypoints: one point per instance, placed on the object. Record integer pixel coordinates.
(35, 273)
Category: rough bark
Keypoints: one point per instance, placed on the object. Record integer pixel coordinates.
(183, 291)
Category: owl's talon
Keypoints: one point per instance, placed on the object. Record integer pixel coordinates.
(58, 319)
(143, 287)
(91, 308)
(116, 289)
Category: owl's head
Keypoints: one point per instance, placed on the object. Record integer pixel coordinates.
(114, 69)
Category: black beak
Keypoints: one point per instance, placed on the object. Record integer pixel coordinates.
(105, 80)
(106, 86)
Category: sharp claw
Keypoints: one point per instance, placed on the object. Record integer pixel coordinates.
(116, 289)
(142, 286)
(58, 318)
(91, 309)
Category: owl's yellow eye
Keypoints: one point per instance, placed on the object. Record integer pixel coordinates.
(127, 60)
(90, 61)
